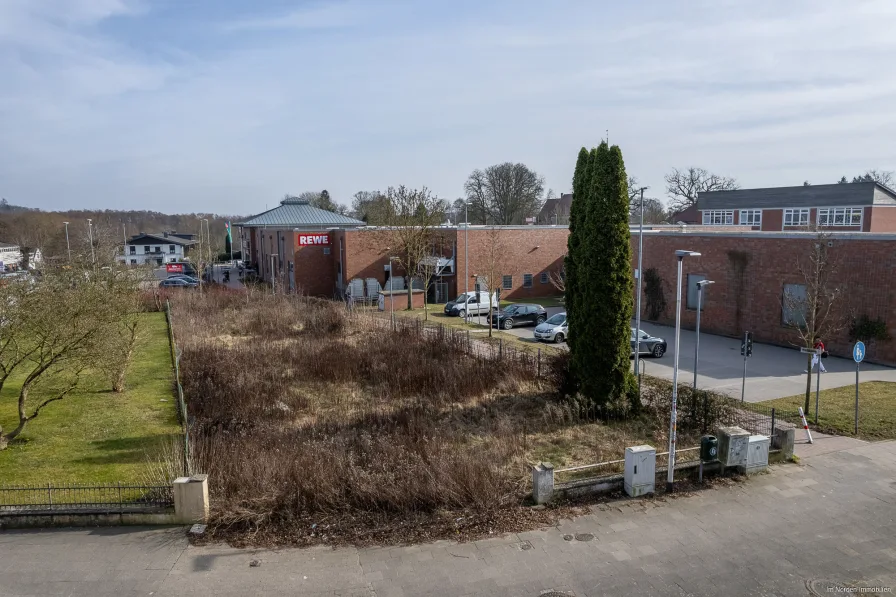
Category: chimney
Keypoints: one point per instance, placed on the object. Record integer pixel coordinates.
(166, 234)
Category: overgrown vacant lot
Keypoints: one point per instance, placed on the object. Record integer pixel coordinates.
(320, 426)
(95, 434)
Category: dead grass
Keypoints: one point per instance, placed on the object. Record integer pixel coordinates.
(316, 424)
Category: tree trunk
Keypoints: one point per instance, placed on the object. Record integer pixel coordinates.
(410, 294)
(808, 383)
(118, 382)
(23, 418)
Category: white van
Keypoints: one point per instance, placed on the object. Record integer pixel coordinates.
(472, 303)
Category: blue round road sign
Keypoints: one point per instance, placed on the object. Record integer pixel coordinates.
(858, 352)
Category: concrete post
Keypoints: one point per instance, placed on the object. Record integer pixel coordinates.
(783, 440)
(191, 499)
(542, 482)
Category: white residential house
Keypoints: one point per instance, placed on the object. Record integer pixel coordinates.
(11, 257)
(157, 249)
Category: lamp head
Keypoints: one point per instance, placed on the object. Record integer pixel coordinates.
(682, 254)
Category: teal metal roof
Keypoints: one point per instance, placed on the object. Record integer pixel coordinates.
(296, 213)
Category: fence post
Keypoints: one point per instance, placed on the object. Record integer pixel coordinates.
(538, 368)
(772, 434)
(119, 494)
(49, 494)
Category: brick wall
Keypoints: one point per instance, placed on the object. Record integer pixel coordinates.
(524, 250)
(750, 272)
(881, 219)
(315, 270)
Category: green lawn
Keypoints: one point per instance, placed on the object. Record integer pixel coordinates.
(95, 435)
(836, 409)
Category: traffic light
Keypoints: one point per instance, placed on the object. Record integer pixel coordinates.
(746, 347)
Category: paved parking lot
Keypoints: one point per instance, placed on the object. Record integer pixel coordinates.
(830, 520)
(772, 371)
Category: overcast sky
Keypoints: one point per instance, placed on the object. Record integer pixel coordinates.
(225, 105)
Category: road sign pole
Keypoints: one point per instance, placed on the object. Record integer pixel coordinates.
(857, 399)
(743, 385)
(817, 386)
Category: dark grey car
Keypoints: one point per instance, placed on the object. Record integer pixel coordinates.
(650, 345)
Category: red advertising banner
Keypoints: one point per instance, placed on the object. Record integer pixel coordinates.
(313, 239)
(174, 268)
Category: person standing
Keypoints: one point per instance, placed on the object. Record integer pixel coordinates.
(821, 353)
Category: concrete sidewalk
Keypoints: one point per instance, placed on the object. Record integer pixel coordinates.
(833, 518)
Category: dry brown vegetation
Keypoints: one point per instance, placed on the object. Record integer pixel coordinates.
(317, 425)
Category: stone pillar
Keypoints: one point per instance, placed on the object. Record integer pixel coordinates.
(542, 482)
(191, 499)
(783, 440)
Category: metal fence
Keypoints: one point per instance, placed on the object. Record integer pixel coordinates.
(613, 468)
(182, 414)
(117, 497)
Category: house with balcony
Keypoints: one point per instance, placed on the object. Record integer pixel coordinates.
(156, 249)
(849, 207)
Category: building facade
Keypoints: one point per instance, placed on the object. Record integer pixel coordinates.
(156, 249)
(850, 207)
(11, 257)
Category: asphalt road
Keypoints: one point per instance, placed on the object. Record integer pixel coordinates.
(772, 371)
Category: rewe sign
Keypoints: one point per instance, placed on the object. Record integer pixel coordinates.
(314, 239)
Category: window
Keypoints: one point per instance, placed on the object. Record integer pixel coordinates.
(133, 250)
(326, 250)
(544, 277)
(146, 248)
(793, 305)
(507, 282)
(133, 261)
(751, 217)
(840, 216)
(796, 217)
(171, 249)
(527, 280)
(158, 249)
(718, 217)
(692, 291)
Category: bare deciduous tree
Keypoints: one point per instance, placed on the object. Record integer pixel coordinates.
(883, 177)
(495, 259)
(430, 267)
(504, 194)
(811, 306)
(412, 217)
(683, 186)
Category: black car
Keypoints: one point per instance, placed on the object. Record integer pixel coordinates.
(519, 314)
(177, 283)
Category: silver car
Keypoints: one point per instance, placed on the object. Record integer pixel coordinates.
(553, 330)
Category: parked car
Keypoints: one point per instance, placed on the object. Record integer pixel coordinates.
(183, 277)
(650, 345)
(471, 303)
(553, 330)
(519, 314)
(177, 283)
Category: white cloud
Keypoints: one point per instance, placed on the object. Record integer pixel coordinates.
(321, 15)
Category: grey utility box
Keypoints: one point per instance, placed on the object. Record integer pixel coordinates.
(733, 443)
(757, 454)
(640, 470)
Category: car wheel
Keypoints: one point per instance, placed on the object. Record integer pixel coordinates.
(559, 338)
(540, 320)
(461, 313)
(658, 351)
(508, 323)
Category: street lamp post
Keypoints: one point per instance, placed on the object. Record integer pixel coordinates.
(700, 286)
(68, 245)
(673, 419)
(638, 300)
(391, 291)
(466, 260)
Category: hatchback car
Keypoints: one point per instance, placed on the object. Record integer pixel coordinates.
(519, 314)
(650, 345)
(189, 279)
(553, 330)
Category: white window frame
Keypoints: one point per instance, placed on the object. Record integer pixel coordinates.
(750, 217)
(718, 217)
(796, 213)
(829, 216)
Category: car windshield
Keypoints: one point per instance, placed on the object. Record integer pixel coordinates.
(462, 298)
(511, 309)
(557, 319)
(643, 334)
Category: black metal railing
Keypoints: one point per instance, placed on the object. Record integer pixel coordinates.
(67, 497)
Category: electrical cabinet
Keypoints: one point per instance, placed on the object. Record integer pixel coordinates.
(757, 454)
(733, 443)
(640, 470)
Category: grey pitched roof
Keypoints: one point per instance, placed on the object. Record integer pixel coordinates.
(161, 239)
(823, 195)
(296, 213)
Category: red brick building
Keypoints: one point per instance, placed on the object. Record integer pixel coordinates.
(750, 268)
